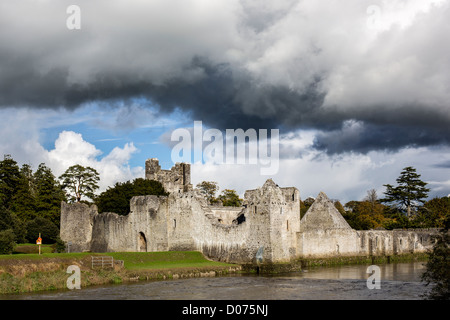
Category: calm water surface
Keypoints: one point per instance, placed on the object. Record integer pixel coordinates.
(398, 281)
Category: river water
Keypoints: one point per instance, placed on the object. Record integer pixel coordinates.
(398, 281)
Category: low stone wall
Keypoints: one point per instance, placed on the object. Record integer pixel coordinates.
(327, 243)
(344, 242)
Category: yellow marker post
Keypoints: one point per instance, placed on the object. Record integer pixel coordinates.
(39, 242)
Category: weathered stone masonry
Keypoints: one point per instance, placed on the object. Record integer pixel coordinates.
(268, 221)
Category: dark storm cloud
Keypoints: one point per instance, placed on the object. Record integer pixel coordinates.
(364, 138)
(220, 98)
(240, 64)
(444, 165)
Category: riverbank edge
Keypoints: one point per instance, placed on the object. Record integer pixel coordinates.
(32, 273)
(43, 279)
(307, 263)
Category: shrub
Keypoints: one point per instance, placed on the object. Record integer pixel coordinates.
(6, 241)
(438, 268)
(59, 245)
(48, 230)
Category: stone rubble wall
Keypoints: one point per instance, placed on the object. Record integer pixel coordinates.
(344, 242)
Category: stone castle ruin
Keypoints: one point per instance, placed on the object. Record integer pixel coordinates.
(268, 223)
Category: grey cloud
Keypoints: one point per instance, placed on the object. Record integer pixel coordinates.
(443, 164)
(246, 64)
(364, 138)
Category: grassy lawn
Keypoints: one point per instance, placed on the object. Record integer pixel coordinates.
(32, 248)
(132, 260)
(162, 260)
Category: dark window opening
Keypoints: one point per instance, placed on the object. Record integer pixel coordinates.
(240, 219)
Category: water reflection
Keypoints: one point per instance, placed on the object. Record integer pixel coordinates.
(398, 281)
(392, 272)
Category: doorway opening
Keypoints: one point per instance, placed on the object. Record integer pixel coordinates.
(142, 242)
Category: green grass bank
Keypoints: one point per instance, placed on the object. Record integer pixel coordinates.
(21, 273)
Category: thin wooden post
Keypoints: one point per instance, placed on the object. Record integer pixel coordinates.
(38, 242)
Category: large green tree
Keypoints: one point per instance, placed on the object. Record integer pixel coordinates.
(117, 199)
(409, 193)
(209, 190)
(23, 203)
(79, 181)
(49, 194)
(9, 180)
(366, 214)
(230, 198)
(433, 213)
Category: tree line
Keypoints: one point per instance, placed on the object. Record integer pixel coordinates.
(30, 202)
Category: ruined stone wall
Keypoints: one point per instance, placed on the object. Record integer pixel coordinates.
(382, 242)
(175, 180)
(340, 242)
(198, 228)
(275, 214)
(185, 221)
(269, 222)
(148, 218)
(77, 221)
(222, 242)
(327, 243)
(226, 215)
(110, 232)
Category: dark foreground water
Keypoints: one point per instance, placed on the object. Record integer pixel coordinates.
(398, 281)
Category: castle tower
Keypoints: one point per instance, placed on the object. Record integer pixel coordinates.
(175, 180)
